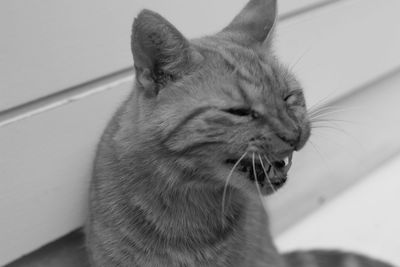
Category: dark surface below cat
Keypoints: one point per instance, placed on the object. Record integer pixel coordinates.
(210, 126)
(68, 251)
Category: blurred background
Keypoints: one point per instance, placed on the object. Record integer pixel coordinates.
(66, 65)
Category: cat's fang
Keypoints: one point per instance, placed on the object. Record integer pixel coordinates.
(286, 161)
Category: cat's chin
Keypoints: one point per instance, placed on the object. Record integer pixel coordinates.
(269, 176)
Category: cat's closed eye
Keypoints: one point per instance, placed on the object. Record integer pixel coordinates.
(293, 98)
(243, 112)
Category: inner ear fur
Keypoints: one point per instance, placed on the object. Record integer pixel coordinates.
(160, 52)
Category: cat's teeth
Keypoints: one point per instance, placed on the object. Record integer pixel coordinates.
(286, 160)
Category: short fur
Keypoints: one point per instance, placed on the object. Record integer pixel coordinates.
(157, 196)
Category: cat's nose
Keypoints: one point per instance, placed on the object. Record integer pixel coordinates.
(292, 139)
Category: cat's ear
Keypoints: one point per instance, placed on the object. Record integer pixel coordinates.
(254, 23)
(160, 52)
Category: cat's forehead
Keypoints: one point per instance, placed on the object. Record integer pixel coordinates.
(249, 63)
(232, 54)
(252, 70)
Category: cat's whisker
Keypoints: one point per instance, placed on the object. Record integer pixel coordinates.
(323, 102)
(269, 162)
(330, 120)
(227, 182)
(318, 152)
(266, 174)
(299, 59)
(328, 126)
(325, 113)
(342, 146)
(333, 126)
(322, 122)
(256, 182)
(326, 105)
(322, 106)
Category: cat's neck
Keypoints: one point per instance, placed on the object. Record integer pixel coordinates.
(186, 196)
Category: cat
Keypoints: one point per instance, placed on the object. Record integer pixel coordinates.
(210, 125)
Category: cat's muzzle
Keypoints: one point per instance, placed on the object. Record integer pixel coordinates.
(270, 175)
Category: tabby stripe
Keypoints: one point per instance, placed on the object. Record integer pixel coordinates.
(308, 260)
(231, 61)
(275, 77)
(185, 120)
(220, 120)
(243, 93)
(331, 258)
(155, 235)
(250, 80)
(351, 260)
(198, 145)
(298, 259)
(268, 74)
(328, 258)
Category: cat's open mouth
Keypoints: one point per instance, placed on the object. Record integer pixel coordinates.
(270, 176)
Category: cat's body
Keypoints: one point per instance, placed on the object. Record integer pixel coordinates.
(150, 223)
(210, 125)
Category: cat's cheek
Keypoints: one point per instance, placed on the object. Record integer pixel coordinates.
(300, 114)
(298, 110)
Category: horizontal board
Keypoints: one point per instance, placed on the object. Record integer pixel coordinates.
(48, 46)
(362, 219)
(290, 8)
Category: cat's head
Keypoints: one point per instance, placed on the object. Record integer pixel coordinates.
(222, 102)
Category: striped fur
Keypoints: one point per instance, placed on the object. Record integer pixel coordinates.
(325, 258)
(163, 192)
